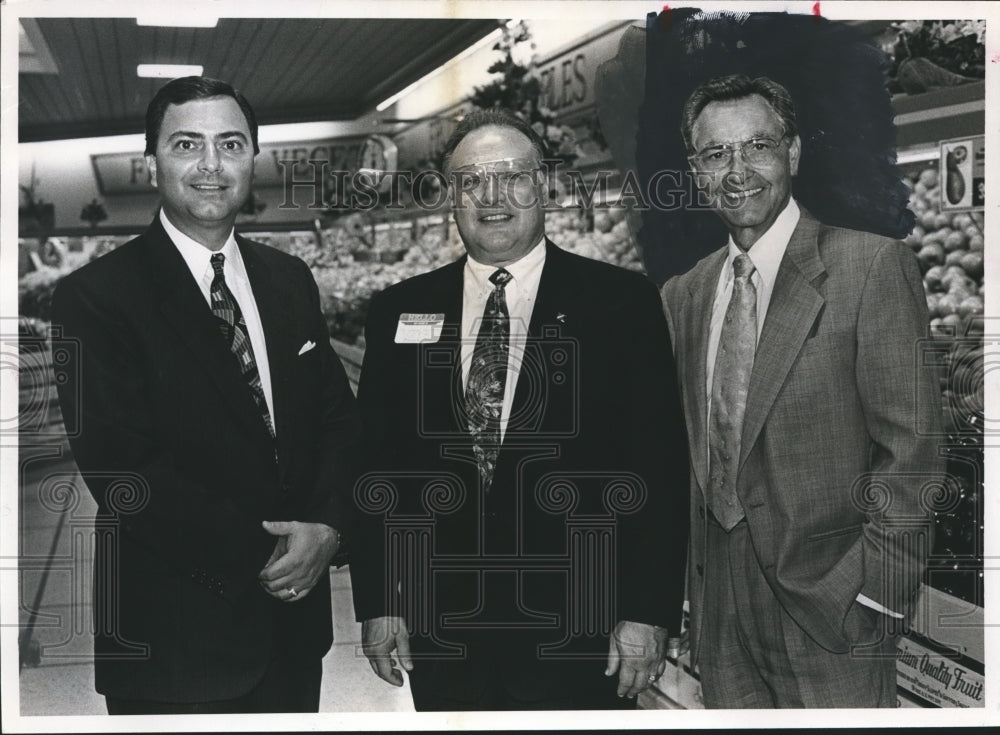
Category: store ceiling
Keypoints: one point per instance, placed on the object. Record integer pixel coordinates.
(291, 70)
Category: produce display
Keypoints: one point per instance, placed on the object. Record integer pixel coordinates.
(950, 250)
(355, 260)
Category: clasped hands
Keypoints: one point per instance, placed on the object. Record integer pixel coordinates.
(301, 556)
(636, 652)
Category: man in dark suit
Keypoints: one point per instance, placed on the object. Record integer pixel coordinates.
(797, 353)
(526, 460)
(215, 426)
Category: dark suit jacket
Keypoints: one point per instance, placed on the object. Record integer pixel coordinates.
(173, 449)
(839, 456)
(585, 523)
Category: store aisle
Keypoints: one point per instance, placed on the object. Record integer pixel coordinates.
(349, 684)
(57, 673)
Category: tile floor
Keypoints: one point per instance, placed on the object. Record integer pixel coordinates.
(56, 518)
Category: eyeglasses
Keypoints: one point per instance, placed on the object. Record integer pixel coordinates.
(506, 171)
(756, 151)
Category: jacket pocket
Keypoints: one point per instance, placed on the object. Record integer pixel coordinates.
(824, 535)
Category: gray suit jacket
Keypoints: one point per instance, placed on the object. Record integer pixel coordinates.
(835, 475)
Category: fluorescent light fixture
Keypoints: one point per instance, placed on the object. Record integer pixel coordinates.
(917, 155)
(172, 20)
(169, 71)
(430, 75)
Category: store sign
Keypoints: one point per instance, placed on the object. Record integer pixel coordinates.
(936, 679)
(567, 86)
(126, 173)
(377, 156)
(963, 174)
(568, 79)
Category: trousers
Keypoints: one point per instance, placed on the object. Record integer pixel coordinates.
(754, 655)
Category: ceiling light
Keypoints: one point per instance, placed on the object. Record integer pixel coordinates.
(467, 52)
(171, 20)
(169, 71)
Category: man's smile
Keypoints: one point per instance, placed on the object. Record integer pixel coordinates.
(500, 217)
(743, 194)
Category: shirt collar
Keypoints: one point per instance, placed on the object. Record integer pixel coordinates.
(519, 269)
(767, 252)
(196, 255)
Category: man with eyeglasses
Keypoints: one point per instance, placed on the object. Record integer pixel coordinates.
(796, 348)
(526, 460)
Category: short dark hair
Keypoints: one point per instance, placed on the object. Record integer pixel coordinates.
(735, 87)
(185, 89)
(483, 118)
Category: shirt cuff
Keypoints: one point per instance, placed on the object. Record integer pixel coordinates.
(869, 602)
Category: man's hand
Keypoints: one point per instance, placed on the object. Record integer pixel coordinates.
(301, 555)
(379, 637)
(636, 652)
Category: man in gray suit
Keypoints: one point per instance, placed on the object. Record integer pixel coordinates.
(796, 349)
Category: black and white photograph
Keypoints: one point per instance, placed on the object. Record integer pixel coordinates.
(510, 365)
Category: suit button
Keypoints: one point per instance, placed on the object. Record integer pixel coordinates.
(699, 569)
(286, 488)
(701, 511)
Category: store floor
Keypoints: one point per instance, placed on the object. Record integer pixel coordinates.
(57, 675)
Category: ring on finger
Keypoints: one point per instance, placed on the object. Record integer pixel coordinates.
(292, 592)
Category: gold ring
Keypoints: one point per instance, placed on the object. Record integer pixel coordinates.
(292, 592)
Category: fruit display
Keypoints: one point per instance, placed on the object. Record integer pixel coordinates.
(609, 240)
(950, 250)
(949, 247)
(357, 258)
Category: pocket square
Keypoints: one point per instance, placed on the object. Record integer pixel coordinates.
(306, 347)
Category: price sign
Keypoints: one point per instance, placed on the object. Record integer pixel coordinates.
(963, 174)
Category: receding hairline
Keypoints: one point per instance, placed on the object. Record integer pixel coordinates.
(488, 126)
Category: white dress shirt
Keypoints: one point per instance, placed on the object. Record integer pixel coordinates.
(198, 259)
(520, 293)
(766, 255)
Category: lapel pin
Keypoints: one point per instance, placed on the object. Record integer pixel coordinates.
(561, 318)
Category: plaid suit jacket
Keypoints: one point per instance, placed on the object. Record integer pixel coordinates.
(838, 454)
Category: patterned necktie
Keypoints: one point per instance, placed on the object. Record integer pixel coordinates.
(488, 378)
(234, 330)
(730, 382)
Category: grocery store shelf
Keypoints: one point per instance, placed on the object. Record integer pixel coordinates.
(941, 113)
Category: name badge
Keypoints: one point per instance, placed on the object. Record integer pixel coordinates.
(416, 328)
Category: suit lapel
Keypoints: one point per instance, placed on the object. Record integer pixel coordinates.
(697, 321)
(277, 321)
(443, 390)
(554, 296)
(795, 304)
(185, 309)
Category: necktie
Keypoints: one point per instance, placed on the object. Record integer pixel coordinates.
(488, 378)
(730, 382)
(234, 331)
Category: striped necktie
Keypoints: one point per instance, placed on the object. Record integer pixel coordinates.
(484, 391)
(730, 384)
(234, 331)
